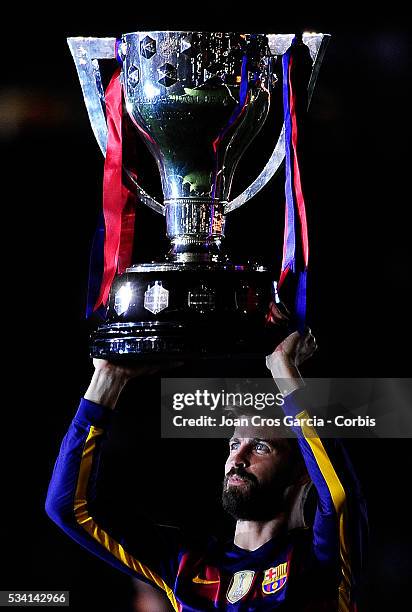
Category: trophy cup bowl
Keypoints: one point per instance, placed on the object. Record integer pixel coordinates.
(197, 99)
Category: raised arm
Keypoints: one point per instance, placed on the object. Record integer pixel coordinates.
(139, 550)
(340, 525)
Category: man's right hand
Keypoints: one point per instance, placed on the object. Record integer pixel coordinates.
(109, 379)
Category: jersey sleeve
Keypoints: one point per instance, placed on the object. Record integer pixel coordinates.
(144, 551)
(340, 523)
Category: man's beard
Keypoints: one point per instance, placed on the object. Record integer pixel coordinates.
(253, 501)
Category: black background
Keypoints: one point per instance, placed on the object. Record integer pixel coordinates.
(356, 175)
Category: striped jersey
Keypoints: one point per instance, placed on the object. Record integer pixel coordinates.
(312, 569)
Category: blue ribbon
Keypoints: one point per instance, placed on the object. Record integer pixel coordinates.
(96, 264)
(300, 302)
(289, 255)
(117, 51)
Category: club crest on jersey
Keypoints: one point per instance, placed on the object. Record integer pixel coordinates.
(275, 578)
(240, 585)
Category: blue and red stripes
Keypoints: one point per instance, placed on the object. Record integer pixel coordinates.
(295, 210)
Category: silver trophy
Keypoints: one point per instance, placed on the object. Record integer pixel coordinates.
(197, 99)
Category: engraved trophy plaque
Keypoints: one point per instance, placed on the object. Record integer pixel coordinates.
(197, 99)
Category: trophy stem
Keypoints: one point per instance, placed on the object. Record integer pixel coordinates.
(195, 227)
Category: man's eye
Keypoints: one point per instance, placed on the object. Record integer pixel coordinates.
(262, 448)
(233, 445)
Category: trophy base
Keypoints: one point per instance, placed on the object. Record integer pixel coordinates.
(131, 341)
(180, 311)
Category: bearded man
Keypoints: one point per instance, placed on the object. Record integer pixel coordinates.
(277, 559)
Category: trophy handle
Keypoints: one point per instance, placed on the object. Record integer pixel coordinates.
(278, 45)
(86, 52)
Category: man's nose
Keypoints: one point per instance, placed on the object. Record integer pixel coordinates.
(241, 457)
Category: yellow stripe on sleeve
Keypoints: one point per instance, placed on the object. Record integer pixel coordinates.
(86, 521)
(338, 495)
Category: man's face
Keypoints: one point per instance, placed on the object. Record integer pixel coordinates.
(257, 472)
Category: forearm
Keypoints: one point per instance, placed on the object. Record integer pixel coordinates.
(72, 505)
(106, 385)
(71, 490)
(67, 468)
(331, 495)
(285, 374)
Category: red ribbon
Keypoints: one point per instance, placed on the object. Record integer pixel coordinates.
(296, 172)
(118, 201)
